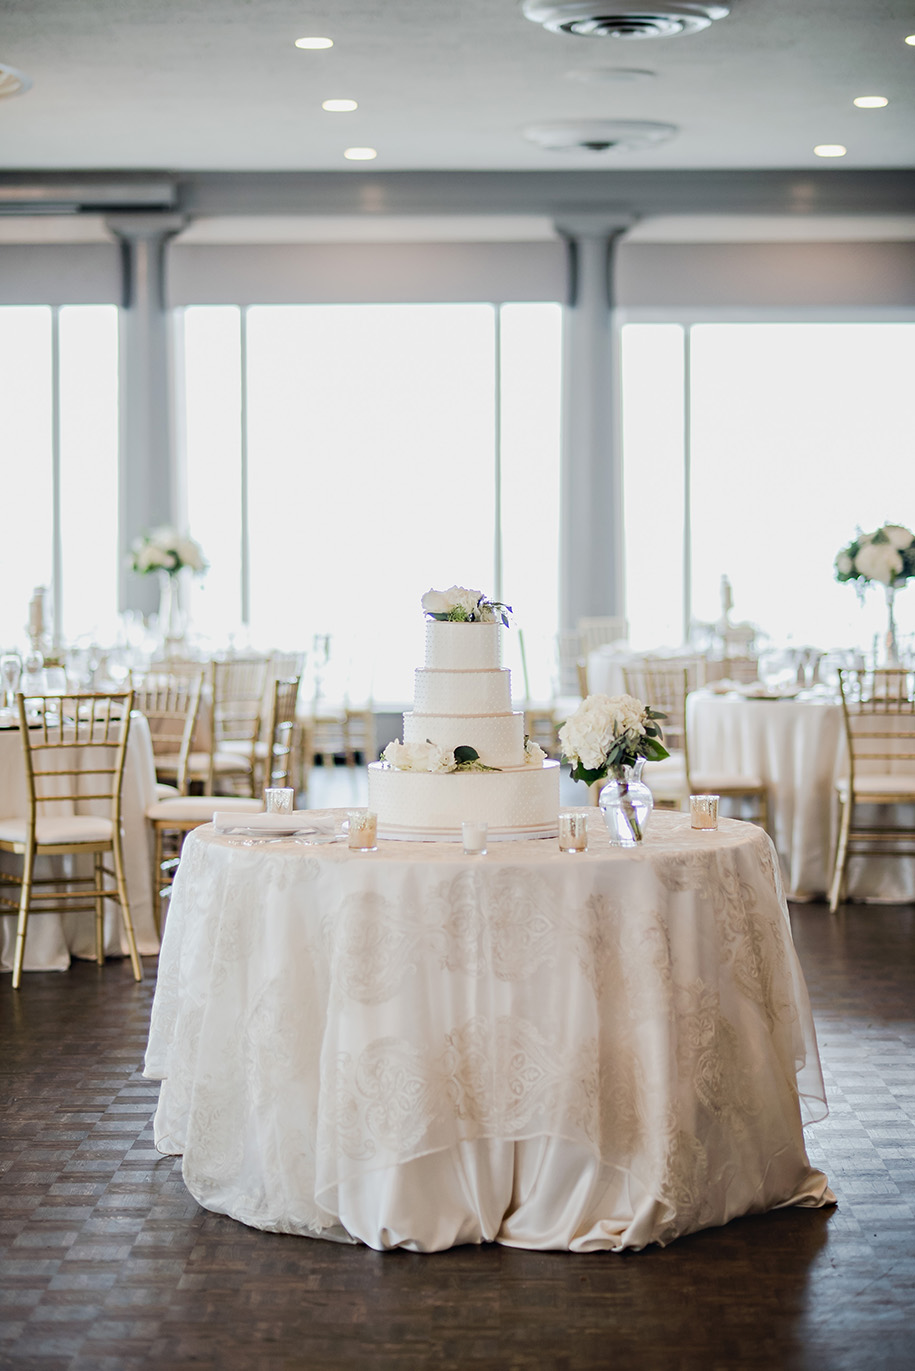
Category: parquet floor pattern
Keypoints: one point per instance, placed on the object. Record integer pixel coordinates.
(106, 1264)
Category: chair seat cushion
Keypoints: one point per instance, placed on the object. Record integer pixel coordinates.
(166, 792)
(899, 785)
(59, 829)
(200, 808)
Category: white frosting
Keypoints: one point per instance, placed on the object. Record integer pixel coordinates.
(462, 692)
(498, 738)
(527, 798)
(463, 647)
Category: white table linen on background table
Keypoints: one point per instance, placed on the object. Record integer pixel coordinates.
(54, 938)
(798, 748)
(411, 1047)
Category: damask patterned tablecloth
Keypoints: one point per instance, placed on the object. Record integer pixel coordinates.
(411, 1047)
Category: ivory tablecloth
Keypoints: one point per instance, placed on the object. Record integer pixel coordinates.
(798, 748)
(53, 938)
(415, 1048)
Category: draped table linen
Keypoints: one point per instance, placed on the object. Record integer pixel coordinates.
(414, 1048)
(798, 748)
(53, 938)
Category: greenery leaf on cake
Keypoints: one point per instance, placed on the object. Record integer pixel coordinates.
(468, 759)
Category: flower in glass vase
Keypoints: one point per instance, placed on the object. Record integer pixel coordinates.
(886, 556)
(165, 549)
(457, 604)
(610, 737)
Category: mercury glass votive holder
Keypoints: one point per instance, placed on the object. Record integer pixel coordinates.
(474, 833)
(573, 832)
(362, 833)
(278, 799)
(703, 811)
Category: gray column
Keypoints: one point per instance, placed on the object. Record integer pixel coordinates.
(147, 467)
(591, 499)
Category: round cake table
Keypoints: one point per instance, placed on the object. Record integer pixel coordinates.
(412, 1047)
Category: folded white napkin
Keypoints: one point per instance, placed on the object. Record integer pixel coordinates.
(225, 820)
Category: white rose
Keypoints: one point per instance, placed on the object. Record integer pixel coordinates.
(899, 536)
(418, 757)
(534, 755)
(190, 553)
(436, 602)
(879, 562)
(844, 564)
(462, 598)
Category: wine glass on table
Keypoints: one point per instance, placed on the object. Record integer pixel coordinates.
(10, 673)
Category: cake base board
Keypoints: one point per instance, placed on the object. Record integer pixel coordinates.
(393, 833)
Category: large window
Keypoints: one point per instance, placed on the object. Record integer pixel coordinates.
(361, 454)
(755, 451)
(59, 369)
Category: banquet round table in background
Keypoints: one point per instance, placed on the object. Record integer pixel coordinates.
(798, 748)
(410, 1047)
(54, 938)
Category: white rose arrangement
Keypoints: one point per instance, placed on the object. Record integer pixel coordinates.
(534, 755)
(460, 605)
(165, 549)
(886, 556)
(428, 756)
(607, 732)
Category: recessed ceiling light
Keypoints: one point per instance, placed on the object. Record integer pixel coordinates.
(871, 101)
(339, 106)
(360, 154)
(911, 40)
(830, 150)
(314, 43)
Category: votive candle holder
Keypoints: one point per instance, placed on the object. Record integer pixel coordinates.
(703, 811)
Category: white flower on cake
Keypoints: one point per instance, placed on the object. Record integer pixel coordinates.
(418, 757)
(886, 556)
(460, 605)
(534, 755)
(165, 549)
(610, 731)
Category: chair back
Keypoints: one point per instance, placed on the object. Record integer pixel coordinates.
(280, 763)
(879, 711)
(171, 704)
(238, 687)
(74, 748)
(663, 688)
(595, 631)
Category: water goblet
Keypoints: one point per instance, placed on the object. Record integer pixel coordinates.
(10, 673)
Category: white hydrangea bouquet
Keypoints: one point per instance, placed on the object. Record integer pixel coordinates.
(460, 605)
(609, 732)
(165, 549)
(886, 556)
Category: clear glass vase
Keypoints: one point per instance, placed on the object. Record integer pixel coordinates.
(171, 617)
(626, 802)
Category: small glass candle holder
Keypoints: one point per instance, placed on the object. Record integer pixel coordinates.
(573, 832)
(362, 834)
(474, 834)
(703, 811)
(278, 800)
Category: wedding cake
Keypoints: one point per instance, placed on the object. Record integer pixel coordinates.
(464, 754)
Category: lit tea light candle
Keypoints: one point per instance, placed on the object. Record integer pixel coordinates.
(474, 834)
(703, 811)
(362, 834)
(573, 832)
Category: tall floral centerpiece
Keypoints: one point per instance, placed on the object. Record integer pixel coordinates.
(611, 737)
(885, 557)
(165, 553)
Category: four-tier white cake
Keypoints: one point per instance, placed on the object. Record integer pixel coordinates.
(462, 698)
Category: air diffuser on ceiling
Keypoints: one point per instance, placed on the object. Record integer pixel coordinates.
(598, 135)
(597, 20)
(13, 81)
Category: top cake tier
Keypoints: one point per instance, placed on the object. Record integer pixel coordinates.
(454, 646)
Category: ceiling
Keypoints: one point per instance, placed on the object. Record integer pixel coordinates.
(444, 85)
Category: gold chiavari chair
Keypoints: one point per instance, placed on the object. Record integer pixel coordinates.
(235, 711)
(878, 708)
(674, 780)
(275, 754)
(171, 705)
(74, 749)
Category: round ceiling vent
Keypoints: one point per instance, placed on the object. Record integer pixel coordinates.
(597, 20)
(12, 81)
(598, 135)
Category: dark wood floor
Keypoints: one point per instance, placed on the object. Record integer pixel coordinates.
(107, 1264)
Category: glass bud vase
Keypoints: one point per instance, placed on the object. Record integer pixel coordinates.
(626, 802)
